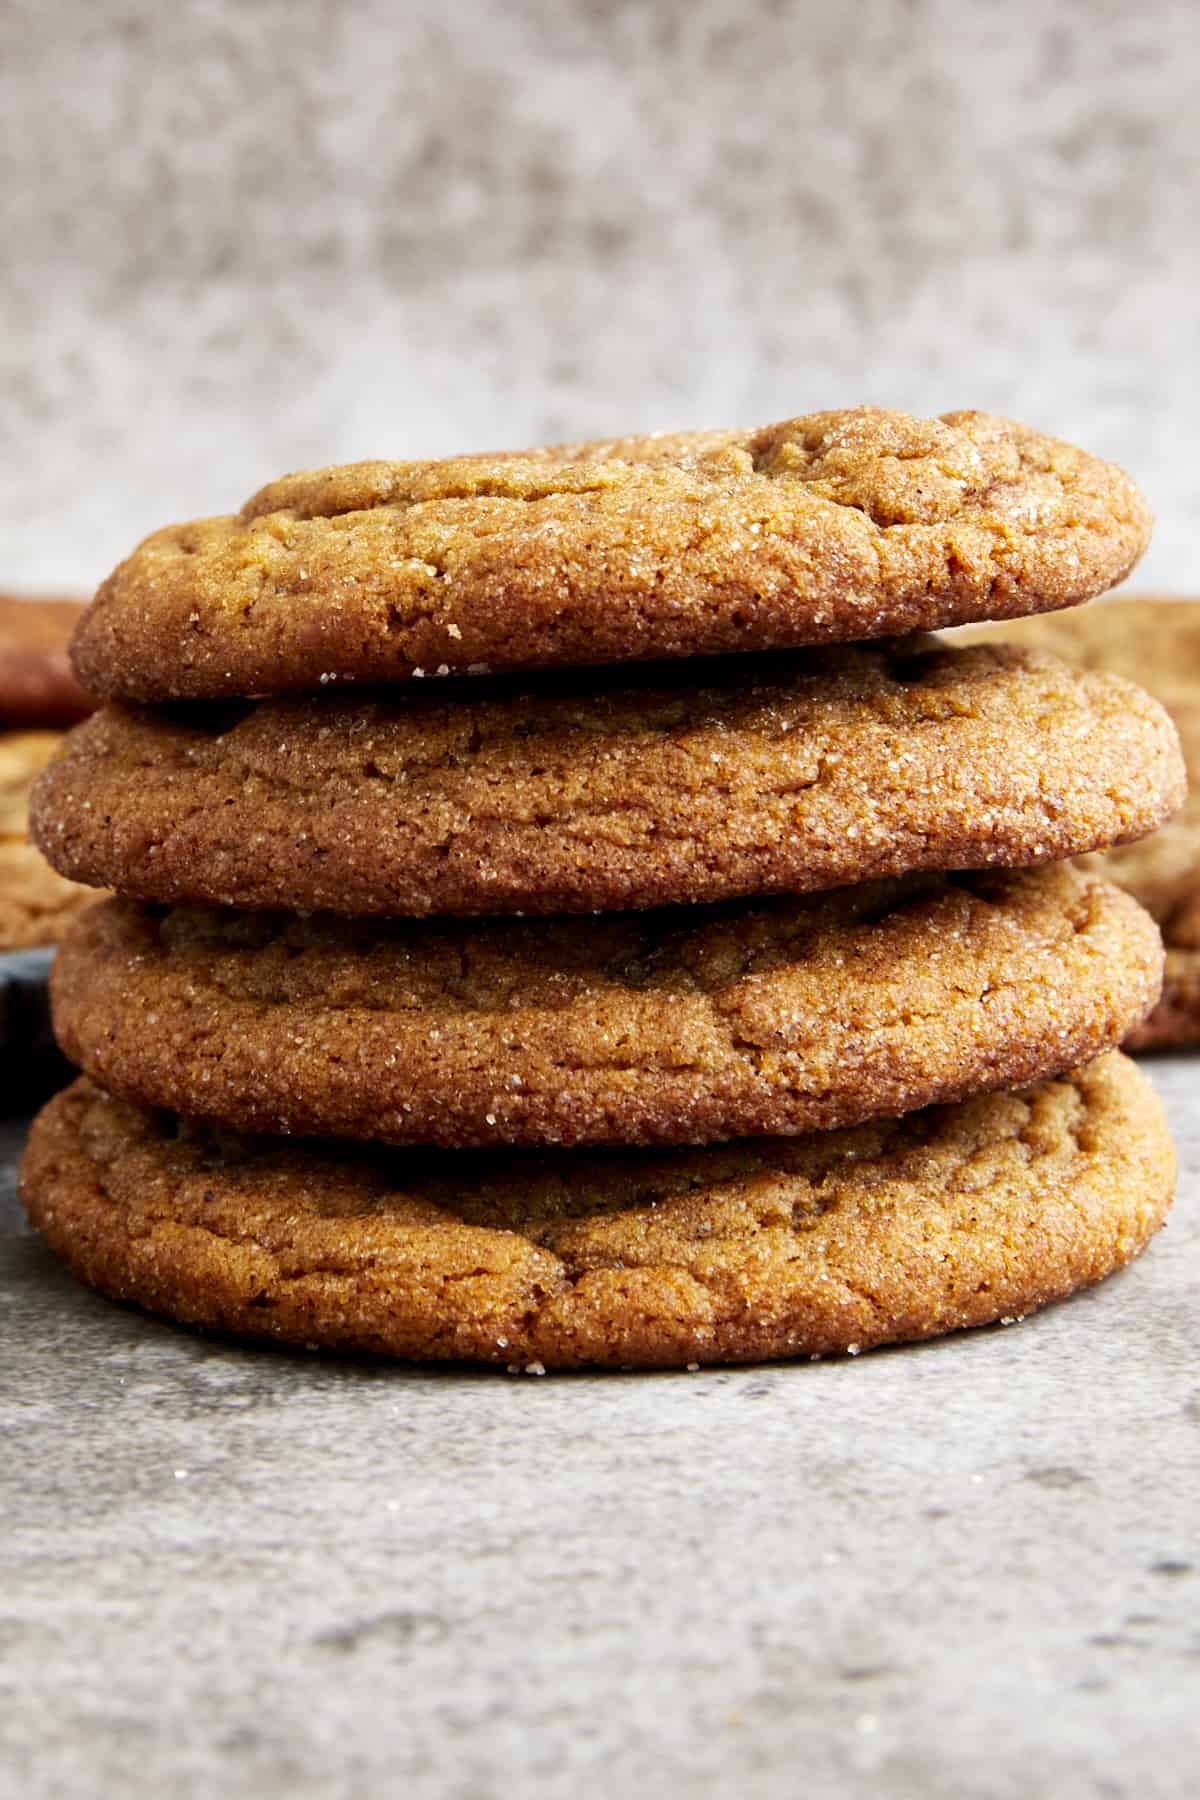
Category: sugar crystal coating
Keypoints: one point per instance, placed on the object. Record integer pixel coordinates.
(902, 1229)
(836, 526)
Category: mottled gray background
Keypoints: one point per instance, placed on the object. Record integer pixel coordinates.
(243, 237)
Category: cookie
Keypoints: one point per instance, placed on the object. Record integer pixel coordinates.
(639, 1028)
(1174, 1023)
(37, 686)
(766, 1248)
(688, 783)
(834, 527)
(36, 902)
(1157, 644)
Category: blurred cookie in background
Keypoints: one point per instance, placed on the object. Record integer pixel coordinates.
(38, 696)
(1155, 642)
(36, 903)
(37, 686)
(36, 906)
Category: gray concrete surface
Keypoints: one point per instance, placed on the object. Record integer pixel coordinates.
(963, 1572)
(242, 236)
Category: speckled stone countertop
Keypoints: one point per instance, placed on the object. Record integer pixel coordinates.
(969, 1569)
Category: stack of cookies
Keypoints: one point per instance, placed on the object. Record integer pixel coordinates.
(693, 974)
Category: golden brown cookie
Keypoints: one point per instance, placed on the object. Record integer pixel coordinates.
(36, 683)
(837, 526)
(1175, 1022)
(686, 783)
(767, 1248)
(36, 903)
(639, 1028)
(1156, 643)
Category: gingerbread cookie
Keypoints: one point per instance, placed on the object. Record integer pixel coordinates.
(834, 527)
(685, 783)
(37, 687)
(1157, 644)
(36, 902)
(639, 1028)
(767, 1248)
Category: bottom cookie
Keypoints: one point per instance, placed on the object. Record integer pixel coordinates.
(838, 1241)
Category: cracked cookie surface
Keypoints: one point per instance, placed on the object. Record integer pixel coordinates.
(644, 1028)
(903, 1229)
(1155, 642)
(836, 526)
(613, 790)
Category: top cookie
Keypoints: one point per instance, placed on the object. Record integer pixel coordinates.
(36, 683)
(832, 527)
